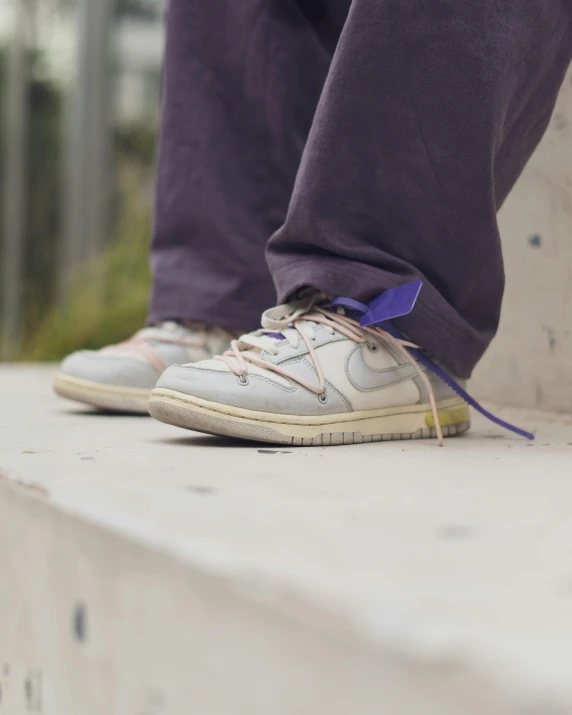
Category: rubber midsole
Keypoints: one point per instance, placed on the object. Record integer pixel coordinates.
(398, 420)
(97, 388)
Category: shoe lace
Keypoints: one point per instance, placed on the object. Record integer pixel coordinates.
(142, 343)
(296, 321)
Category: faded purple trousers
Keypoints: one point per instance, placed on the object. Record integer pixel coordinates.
(351, 146)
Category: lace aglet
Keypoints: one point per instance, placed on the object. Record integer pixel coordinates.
(435, 411)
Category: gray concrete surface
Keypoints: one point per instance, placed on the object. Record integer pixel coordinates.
(536, 323)
(150, 571)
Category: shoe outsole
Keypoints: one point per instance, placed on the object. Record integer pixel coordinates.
(113, 398)
(181, 411)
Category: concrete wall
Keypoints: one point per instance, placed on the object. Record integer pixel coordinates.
(530, 361)
(92, 623)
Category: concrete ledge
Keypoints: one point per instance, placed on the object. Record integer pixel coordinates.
(150, 571)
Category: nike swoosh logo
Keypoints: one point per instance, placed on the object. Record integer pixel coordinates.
(364, 377)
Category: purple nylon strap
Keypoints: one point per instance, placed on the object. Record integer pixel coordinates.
(353, 308)
(465, 395)
(400, 301)
(392, 303)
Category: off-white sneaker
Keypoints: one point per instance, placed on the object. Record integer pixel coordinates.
(311, 376)
(120, 377)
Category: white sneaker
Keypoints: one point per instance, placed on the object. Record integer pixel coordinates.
(311, 377)
(121, 377)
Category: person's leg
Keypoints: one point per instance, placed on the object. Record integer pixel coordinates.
(429, 112)
(242, 80)
(241, 84)
(428, 115)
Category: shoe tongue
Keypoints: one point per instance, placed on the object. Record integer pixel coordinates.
(276, 336)
(170, 327)
(303, 323)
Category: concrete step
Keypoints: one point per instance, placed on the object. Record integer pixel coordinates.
(145, 570)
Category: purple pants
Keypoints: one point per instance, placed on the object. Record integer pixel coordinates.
(350, 146)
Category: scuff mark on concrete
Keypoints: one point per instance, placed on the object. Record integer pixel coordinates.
(80, 622)
(457, 532)
(197, 489)
(36, 489)
(551, 335)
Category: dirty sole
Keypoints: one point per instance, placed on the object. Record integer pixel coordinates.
(396, 423)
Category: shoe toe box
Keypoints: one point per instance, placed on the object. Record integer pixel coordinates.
(109, 369)
(261, 392)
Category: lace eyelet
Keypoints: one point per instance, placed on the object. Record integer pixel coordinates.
(372, 347)
(243, 380)
(323, 398)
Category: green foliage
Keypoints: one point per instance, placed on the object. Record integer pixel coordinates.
(108, 297)
(146, 10)
(135, 143)
(42, 190)
(45, 156)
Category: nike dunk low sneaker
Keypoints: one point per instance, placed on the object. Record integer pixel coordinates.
(313, 376)
(120, 377)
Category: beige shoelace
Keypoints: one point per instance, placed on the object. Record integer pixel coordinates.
(140, 344)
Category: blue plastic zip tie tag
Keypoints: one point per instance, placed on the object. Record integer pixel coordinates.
(392, 303)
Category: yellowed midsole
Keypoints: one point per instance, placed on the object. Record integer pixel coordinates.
(67, 381)
(452, 415)
(404, 419)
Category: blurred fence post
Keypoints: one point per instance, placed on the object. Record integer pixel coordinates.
(87, 180)
(14, 181)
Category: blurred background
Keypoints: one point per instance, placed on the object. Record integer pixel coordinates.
(79, 105)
